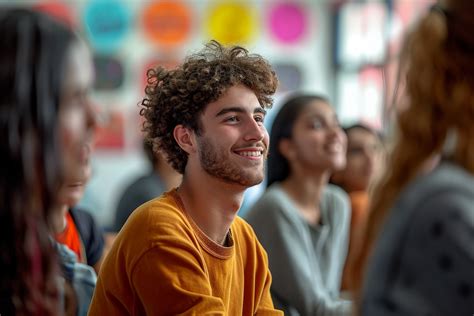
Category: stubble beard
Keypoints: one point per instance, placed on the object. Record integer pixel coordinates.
(218, 165)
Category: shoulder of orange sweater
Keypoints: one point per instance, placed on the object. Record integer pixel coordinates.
(242, 229)
(156, 220)
(244, 235)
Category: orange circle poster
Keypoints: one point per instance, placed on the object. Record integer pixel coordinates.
(167, 23)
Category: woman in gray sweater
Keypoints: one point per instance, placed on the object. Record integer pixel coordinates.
(301, 220)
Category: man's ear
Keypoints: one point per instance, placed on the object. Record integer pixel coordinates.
(184, 136)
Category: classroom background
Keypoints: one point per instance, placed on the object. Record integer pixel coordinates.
(343, 49)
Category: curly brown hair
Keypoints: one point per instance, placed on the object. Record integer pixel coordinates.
(180, 95)
(437, 58)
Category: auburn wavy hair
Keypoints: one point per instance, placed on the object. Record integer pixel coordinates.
(436, 60)
(180, 95)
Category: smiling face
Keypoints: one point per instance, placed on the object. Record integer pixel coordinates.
(72, 190)
(76, 116)
(363, 159)
(233, 142)
(317, 141)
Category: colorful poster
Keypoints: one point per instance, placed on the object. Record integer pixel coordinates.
(109, 73)
(110, 134)
(167, 63)
(58, 10)
(232, 23)
(107, 22)
(287, 22)
(167, 23)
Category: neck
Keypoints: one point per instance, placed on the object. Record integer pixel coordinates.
(305, 189)
(57, 222)
(212, 206)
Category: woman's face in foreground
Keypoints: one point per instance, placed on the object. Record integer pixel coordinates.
(76, 115)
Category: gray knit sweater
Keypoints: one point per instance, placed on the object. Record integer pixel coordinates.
(423, 261)
(306, 262)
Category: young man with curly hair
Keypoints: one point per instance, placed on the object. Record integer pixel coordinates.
(187, 252)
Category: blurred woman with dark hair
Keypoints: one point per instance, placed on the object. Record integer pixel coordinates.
(364, 164)
(301, 220)
(417, 256)
(45, 122)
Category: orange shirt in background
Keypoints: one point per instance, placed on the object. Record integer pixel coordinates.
(71, 238)
(360, 208)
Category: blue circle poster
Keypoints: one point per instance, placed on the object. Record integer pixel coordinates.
(107, 22)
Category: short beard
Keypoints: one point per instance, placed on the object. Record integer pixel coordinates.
(217, 166)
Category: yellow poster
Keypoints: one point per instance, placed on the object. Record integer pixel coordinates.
(232, 23)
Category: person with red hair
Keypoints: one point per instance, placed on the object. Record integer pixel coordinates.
(417, 255)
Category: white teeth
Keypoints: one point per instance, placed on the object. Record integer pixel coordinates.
(250, 153)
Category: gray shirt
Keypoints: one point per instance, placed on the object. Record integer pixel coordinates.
(306, 261)
(423, 261)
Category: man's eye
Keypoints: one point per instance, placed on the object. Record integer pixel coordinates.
(259, 118)
(232, 119)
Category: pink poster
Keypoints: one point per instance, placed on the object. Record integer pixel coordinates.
(287, 22)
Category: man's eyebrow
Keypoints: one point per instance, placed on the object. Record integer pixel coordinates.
(260, 110)
(238, 109)
(230, 109)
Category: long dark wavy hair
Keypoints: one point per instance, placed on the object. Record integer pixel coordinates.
(178, 96)
(32, 61)
(278, 168)
(439, 97)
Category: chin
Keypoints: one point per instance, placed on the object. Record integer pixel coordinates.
(246, 182)
(73, 198)
(338, 166)
(255, 182)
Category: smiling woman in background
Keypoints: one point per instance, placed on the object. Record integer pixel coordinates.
(45, 118)
(301, 220)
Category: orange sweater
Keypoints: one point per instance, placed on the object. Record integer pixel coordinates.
(162, 264)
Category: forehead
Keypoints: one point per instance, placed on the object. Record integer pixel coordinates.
(79, 71)
(237, 96)
(319, 109)
(361, 135)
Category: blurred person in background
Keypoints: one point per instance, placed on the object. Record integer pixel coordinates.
(364, 163)
(301, 220)
(187, 252)
(78, 229)
(79, 243)
(161, 178)
(45, 120)
(418, 256)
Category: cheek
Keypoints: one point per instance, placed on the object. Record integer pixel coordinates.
(72, 128)
(343, 139)
(266, 138)
(355, 163)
